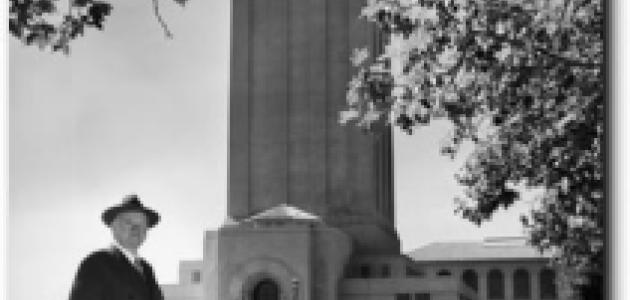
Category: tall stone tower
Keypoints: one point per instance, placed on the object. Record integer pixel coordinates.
(289, 72)
(307, 197)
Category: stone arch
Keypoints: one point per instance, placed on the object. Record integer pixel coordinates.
(254, 271)
(547, 283)
(522, 284)
(470, 279)
(496, 284)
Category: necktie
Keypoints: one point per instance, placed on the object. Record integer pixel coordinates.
(138, 266)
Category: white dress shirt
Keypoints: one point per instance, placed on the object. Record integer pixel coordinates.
(132, 258)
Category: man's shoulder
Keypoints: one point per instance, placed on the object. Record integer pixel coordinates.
(96, 266)
(99, 256)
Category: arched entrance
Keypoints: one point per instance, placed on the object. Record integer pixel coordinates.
(266, 289)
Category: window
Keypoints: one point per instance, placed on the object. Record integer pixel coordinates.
(195, 276)
(443, 273)
(403, 297)
(496, 284)
(364, 271)
(469, 277)
(547, 280)
(414, 272)
(521, 284)
(422, 296)
(385, 271)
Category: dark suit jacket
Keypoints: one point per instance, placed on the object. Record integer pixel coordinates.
(108, 275)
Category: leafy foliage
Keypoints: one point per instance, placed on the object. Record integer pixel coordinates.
(522, 80)
(38, 22)
(29, 21)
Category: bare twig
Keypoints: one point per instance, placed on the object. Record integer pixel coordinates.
(156, 11)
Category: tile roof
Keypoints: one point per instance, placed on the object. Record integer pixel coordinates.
(284, 212)
(500, 248)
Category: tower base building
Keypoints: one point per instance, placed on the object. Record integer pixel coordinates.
(287, 254)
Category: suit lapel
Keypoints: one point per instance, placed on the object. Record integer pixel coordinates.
(126, 269)
(129, 276)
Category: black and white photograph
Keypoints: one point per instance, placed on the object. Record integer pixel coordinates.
(312, 150)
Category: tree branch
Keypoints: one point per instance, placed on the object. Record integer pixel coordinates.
(156, 11)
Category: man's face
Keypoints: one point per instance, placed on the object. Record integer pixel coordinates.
(130, 229)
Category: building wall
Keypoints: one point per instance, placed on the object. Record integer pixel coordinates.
(327, 266)
(182, 292)
(333, 249)
(189, 285)
(247, 255)
(398, 288)
(190, 272)
(377, 266)
(482, 269)
(211, 266)
(304, 259)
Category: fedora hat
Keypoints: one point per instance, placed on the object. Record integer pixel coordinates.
(130, 203)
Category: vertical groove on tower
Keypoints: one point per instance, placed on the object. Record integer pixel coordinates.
(362, 146)
(289, 72)
(301, 129)
(390, 174)
(239, 110)
(378, 158)
(317, 95)
(349, 132)
(339, 188)
(250, 80)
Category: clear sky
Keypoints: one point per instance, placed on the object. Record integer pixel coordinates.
(131, 112)
(127, 112)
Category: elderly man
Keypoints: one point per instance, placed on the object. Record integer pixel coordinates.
(118, 273)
